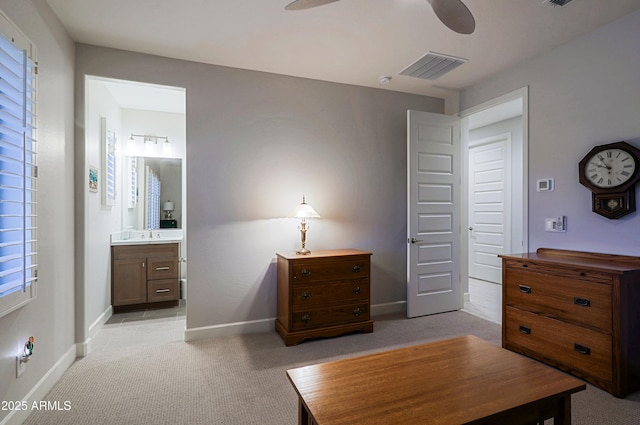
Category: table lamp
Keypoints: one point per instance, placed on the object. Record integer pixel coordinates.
(304, 211)
(168, 209)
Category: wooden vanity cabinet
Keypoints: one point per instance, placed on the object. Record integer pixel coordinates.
(144, 276)
(576, 311)
(323, 294)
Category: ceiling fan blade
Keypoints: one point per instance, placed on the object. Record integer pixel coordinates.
(306, 4)
(455, 15)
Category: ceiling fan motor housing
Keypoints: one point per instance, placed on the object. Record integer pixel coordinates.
(559, 2)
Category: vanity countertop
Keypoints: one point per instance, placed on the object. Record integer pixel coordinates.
(146, 237)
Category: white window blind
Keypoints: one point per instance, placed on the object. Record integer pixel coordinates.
(154, 187)
(18, 169)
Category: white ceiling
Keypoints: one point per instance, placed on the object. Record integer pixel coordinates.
(148, 97)
(350, 41)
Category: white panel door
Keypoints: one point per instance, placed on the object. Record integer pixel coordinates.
(489, 207)
(433, 222)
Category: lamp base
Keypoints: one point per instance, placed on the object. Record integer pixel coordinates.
(303, 251)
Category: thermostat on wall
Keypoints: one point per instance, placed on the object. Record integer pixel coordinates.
(545, 185)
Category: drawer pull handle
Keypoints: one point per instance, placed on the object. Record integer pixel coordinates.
(357, 268)
(525, 330)
(306, 295)
(161, 291)
(306, 318)
(583, 302)
(525, 265)
(162, 268)
(525, 289)
(357, 311)
(356, 290)
(305, 273)
(582, 349)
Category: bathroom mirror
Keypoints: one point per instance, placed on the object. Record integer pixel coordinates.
(148, 183)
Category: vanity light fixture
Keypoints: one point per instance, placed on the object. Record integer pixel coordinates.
(148, 138)
(304, 211)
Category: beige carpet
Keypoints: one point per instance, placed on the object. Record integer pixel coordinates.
(242, 380)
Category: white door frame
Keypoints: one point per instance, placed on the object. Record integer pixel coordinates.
(522, 94)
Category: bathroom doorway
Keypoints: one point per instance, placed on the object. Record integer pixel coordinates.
(145, 125)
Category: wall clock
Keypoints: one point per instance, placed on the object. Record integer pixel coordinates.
(610, 172)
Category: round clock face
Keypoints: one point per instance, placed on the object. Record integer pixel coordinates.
(610, 168)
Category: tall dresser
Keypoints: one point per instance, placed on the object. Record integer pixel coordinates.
(323, 294)
(577, 311)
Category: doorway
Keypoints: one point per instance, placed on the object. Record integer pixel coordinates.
(495, 180)
(437, 163)
(146, 124)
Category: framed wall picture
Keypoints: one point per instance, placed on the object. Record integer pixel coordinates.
(108, 148)
(93, 179)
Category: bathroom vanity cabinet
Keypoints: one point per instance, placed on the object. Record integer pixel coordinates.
(144, 276)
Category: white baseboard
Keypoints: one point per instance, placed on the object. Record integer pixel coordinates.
(44, 385)
(230, 329)
(389, 308)
(268, 325)
(84, 348)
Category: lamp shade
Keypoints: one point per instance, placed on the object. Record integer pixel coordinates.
(305, 210)
(168, 206)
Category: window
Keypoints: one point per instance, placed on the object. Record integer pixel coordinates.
(18, 169)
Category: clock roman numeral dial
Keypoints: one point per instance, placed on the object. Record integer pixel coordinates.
(610, 168)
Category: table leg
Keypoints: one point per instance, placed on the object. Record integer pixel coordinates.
(304, 417)
(563, 412)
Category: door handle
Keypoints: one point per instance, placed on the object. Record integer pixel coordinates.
(470, 228)
(414, 240)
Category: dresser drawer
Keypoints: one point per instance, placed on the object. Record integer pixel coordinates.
(162, 268)
(163, 290)
(570, 273)
(561, 344)
(578, 301)
(350, 267)
(311, 295)
(319, 317)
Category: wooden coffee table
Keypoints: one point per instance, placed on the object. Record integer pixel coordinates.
(463, 380)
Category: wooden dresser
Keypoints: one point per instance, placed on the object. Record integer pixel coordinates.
(576, 311)
(323, 294)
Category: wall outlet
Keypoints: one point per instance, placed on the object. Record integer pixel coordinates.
(20, 366)
(556, 224)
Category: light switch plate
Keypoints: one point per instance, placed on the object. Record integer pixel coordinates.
(556, 224)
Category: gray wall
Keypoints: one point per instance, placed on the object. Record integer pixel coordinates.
(582, 94)
(50, 317)
(257, 142)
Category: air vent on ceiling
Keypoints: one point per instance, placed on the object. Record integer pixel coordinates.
(432, 66)
(559, 2)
